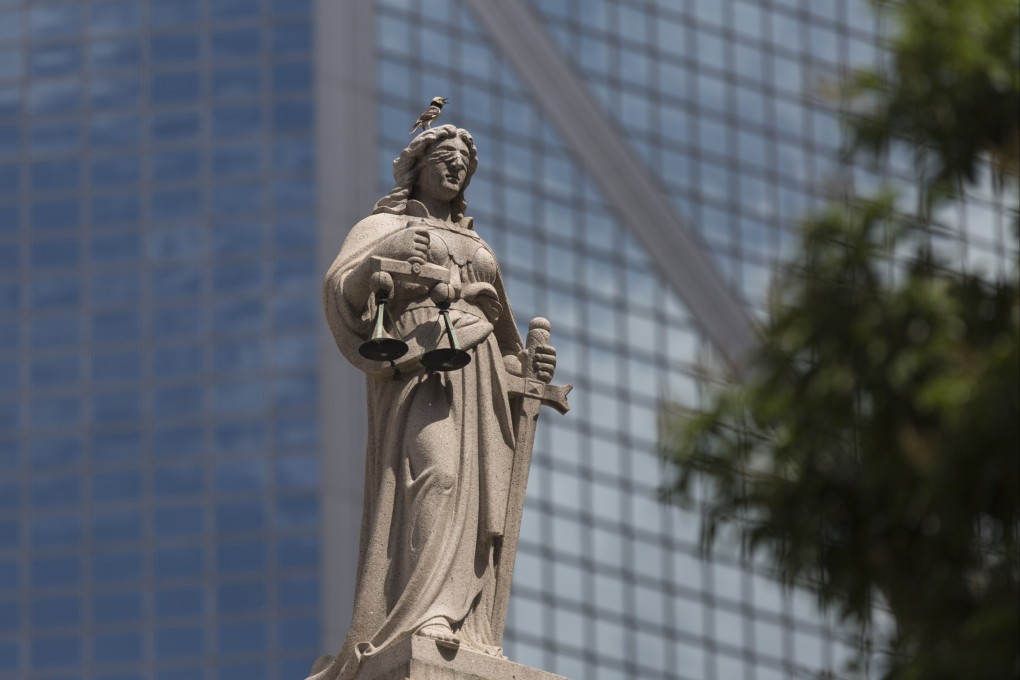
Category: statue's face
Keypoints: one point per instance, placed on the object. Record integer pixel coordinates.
(443, 170)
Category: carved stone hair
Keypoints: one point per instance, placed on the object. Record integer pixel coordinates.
(408, 164)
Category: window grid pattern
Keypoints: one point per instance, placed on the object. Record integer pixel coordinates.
(609, 583)
(158, 301)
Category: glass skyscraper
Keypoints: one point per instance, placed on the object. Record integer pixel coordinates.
(181, 444)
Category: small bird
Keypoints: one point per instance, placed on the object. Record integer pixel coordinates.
(430, 114)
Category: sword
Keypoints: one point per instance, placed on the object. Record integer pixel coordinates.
(533, 393)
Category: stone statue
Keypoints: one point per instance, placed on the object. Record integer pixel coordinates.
(449, 450)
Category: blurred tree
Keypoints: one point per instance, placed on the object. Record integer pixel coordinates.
(873, 447)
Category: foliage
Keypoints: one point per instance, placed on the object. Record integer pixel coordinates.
(873, 448)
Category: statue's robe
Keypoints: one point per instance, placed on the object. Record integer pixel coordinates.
(440, 445)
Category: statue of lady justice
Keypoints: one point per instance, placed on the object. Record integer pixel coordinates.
(440, 442)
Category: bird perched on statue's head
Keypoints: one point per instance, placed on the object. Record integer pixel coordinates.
(430, 114)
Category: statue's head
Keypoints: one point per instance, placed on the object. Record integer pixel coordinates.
(446, 143)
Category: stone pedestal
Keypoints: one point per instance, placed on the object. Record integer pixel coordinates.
(418, 658)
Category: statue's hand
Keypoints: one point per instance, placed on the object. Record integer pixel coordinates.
(410, 244)
(543, 362)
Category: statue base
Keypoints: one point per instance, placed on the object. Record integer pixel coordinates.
(419, 658)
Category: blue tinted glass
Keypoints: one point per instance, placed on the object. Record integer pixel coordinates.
(177, 442)
(116, 326)
(178, 562)
(239, 278)
(117, 407)
(247, 437)
(166, 13)
(294, 313)
(55, 60)
(10, 179)
(8, 536)
(9, 257)
(296, 593)
(117, 567)
(8, 376)
(55, 20)
(116, 446)
(168, 49)
(10, 293)
(179, 602)
(54, 214)
(48, 137)
(243, 516)
(58, 530)
(292, 6)
(297, 511)
(175, 282)
(183, 521)
(46, 98)
(241, 356)
(115, 131)
(116, 93)
(292, 76)
(8, 415)
(237, 83)
(179, 204)
(237, 240)
(54, 175)
(54, 293)
(234, 9)
(235, 161)
(10, 63)
(236, 318)
(124, 365)
(113, 170)
(55, 451)
(55, 491)
(55, 571)
(55, 612)
(295, 392)
(294, 155)
(176, 165)
(108, 55)
(117, 608)
(173, 643)
(8, 655)
(179, 322)
(292, 38)
(51, 371)
(296, 274)
(51, 652)
(108, 487)
(10, 495)
(10, 101)
(239, 638)
(175, 88)
(238, 598)
(9, 575)
(113, 16)
(9, 618)
(9, 138)
(174, 362)
(236, 44)
(57, 331)
(237, 200)
(175, 243)
(297, 472)
(116, 527)
(117, 647)
(179, 481)
(115, 210)
(56, 411)
(236, 121)
(55, 254)
(241, 557)
(115, 248)
(176, 126)
(241, 476)
(113, 289)
(299, 633)
(292, 116)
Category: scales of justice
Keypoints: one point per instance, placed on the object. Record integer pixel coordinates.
(415, 300)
